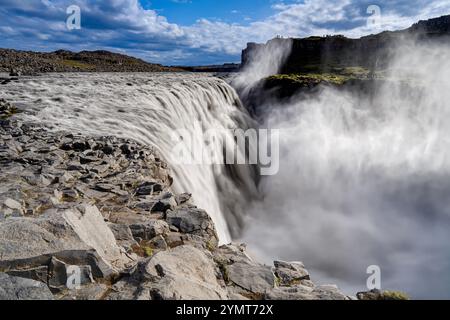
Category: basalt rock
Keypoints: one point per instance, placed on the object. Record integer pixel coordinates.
(76, 236)
(139, 241)
(15, 288)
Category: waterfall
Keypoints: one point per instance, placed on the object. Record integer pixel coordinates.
(364, 179)
(151, 109)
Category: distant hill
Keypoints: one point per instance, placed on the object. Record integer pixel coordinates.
(328, 53)
(226, 67)
(28, 62)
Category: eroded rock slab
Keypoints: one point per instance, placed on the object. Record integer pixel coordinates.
(182, 273)
(77, 236)
(15, 288)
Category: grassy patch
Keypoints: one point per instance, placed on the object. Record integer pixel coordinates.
(395, 295)
(143, 250)
(357, 72)
(211, 245)
(306, 79)
(77, 64)
(223, 270)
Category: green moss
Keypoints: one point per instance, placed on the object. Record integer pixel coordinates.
(357, 72)
(211, 245)
(77, 64)
(307, 79)
(277, 281)
(395, 295)
(148, 251)
(224, 271)
(143, 250)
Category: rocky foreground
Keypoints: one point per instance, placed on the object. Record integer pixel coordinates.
(95, 218)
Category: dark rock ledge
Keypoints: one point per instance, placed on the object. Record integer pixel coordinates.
(105, 205)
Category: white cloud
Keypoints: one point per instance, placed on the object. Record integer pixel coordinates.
(125, 24)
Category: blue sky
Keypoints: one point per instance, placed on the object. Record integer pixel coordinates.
(232, 11)
(196, 32)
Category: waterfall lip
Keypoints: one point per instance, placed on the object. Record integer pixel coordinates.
(147, 107)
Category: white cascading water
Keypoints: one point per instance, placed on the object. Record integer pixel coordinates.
(151, 108)
(365, 180)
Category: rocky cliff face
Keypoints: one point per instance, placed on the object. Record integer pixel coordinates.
(324, 54)
(102, 208)
(27, 62)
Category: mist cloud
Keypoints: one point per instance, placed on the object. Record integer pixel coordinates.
(365, 181)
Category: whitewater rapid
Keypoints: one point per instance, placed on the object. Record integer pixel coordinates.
(151, 108)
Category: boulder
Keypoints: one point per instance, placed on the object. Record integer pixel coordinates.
(148, 188)
(300, 292)
(328, 292)
(193, 221)
(290, 273)
(121, 232)
(59, 273)
(94, 291)
(15, 288)
(382, 295)
(149, 230)
(253, 277)
(183, 198)
(183, 273)
(76, 236)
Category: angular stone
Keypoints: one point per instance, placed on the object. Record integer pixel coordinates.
(183, 198)
(290, 273)
(253, 277)
(95, 291)
(328, 292)
(174, 239)
(75, 236)
(75, 167)
(158, 243)
(104, 187)
(12, 204)
(287, 293)
(38, 274)
(184, 273)
(121, 231)
(15, 288)
(150, 229)
(123, 235)
(229, 254)
(192, 220)
(59, 273)
(69, 194)
(148, 188)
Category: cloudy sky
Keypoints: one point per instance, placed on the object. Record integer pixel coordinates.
(193, 32)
